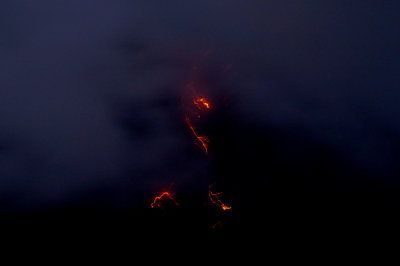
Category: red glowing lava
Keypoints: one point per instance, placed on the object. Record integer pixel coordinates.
(157, 202)
(202, 139)
(201, 102)
(215, 199)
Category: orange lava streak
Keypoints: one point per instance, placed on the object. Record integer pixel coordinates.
(202, 139)
(157, 199)
(203, 102)
(214, 199)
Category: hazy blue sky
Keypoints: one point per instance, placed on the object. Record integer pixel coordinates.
(88, 89)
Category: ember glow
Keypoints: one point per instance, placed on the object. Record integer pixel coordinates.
(201, 103)
(157, 202)
(202, 139)
(217, 225)
(215, 199)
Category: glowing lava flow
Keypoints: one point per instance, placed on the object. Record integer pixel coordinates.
(157, 199)
(200, 102)
(202, 139)
(214, 199)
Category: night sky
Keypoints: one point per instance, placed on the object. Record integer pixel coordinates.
(304, 127)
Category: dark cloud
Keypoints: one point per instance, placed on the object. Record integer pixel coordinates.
(91, 96)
